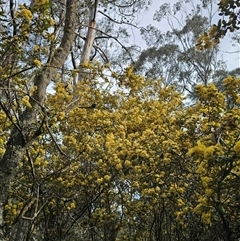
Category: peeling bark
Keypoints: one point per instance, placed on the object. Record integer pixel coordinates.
(89, 38)
(17, 143)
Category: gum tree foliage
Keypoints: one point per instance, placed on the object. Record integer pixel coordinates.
(139, 165)
(173, 54)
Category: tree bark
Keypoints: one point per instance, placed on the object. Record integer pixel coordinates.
(89, 38)
(17, 143)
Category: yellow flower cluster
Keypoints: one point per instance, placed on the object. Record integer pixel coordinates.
(41, 2)
(206, 217)
(206, 41)
(237, 147)
(25, 101)
(37, 62)
(198, 150)
(26, 13)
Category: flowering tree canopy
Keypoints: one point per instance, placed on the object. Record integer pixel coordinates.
(114, 155)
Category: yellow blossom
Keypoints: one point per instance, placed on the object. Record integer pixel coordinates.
(119, 166)
(99, 181)
(41, 2)
(237, 147)
(107, 177)
(206, 217)
(36, 47)
(59, 179)
(25, 101)
(26, 14)
(72, 205)
(51, 22)
(37, 62)
(127, 163)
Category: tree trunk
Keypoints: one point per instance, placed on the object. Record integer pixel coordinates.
(18, 141)
(89, 38)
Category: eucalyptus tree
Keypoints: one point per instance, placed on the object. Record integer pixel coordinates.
(173, 54)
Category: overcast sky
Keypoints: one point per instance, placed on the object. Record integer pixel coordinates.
(226, 48)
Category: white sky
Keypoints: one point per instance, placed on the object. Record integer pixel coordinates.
(232, 59)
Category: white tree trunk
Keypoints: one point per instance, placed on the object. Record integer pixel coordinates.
(89, 38)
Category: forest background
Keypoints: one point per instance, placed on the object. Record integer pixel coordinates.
(103, 140)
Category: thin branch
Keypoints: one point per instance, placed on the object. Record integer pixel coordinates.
(121, 22)
(85, 209)
(31, 165)
(50, 132)
(101, 53)
(10, 118)
(73, 60)
(115, 38)
(95, 10)
(123, 6)
(11, 5)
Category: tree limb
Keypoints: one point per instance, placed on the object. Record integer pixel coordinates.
(14, 150)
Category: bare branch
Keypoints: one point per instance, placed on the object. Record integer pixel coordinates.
(115, 38)
(121, 22)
